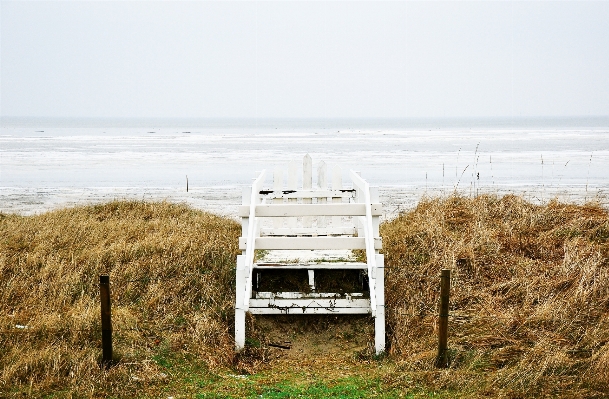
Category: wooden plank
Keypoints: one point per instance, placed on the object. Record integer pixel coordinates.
(310, 295)
(358, 182)
(363, 310)
(343, 193)
(239, 329)
(307, 184)
(251, 233)
(313, 231)
(292, 186)
(363, 189)
(323, 265)
(379, 329)
(322, 183)
(379, 277)
(307, 172)
(337, 185)
(295, 243)
(294, 210)
(277, 186)
(310, 303)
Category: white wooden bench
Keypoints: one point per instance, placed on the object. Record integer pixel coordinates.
(324, 218)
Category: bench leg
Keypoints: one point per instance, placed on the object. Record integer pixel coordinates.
(239, 329)
(379, 330)
(240, 281)
(379, 322)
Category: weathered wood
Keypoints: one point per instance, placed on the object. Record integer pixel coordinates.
(317, 193)
(311, 273)
(324, 265)
(329, 303)
(311, 207)
(294, 210)
(322, 183)
(251, 234)
(307, 172)
(308, 295)
(106, 320)
(310, 310)
(337, 185)
(297, 243)
(442, 359)
(379, 291)
(246, 198)
(307, 184)
(292, 186)
(315, 231)
(240, 309)
(277, 186)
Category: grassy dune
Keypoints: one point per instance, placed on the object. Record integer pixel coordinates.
(529, 307)
(529, 301)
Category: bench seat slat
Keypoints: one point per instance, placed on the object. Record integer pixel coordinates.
(310, 303)
(308, 231)
(349, 310)
(308, 194)
(324, 265)
(308, 295)
(298, 243)
(295, 210)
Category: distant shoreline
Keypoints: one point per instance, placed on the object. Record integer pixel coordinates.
(543, 122)
(224, 201)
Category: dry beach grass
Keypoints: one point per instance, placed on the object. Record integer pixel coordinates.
(530, 293)
(171, 269)
(529, 305)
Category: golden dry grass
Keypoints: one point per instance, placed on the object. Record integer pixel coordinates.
(529, 304)
(172, 283)
(529, 300)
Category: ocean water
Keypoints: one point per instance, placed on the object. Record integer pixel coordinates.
(51, 163)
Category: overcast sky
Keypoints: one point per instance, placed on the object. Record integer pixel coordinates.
(304, 59)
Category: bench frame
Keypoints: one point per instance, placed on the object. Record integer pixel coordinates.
(321, 228)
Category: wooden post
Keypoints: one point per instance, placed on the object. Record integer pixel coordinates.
(442, 360)
(106, 320)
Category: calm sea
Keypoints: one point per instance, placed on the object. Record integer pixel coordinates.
(49, 163)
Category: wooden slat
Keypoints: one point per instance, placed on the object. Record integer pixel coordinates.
(277, 185)
(292, 186)
(358, 182)
(265, 310)
(325, 265)
(322, 183)
(277, 193)
(310, 303)
(295, 243)
(294, 210)
(337, 185)
(313, 231)
(310, 295)
(307, 184)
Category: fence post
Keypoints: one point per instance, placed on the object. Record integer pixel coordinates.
(106, 320)
(442, 359)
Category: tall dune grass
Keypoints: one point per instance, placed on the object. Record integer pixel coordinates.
(529, 300)
(172, 284)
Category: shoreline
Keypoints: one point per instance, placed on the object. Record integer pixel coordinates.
(224, 200)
